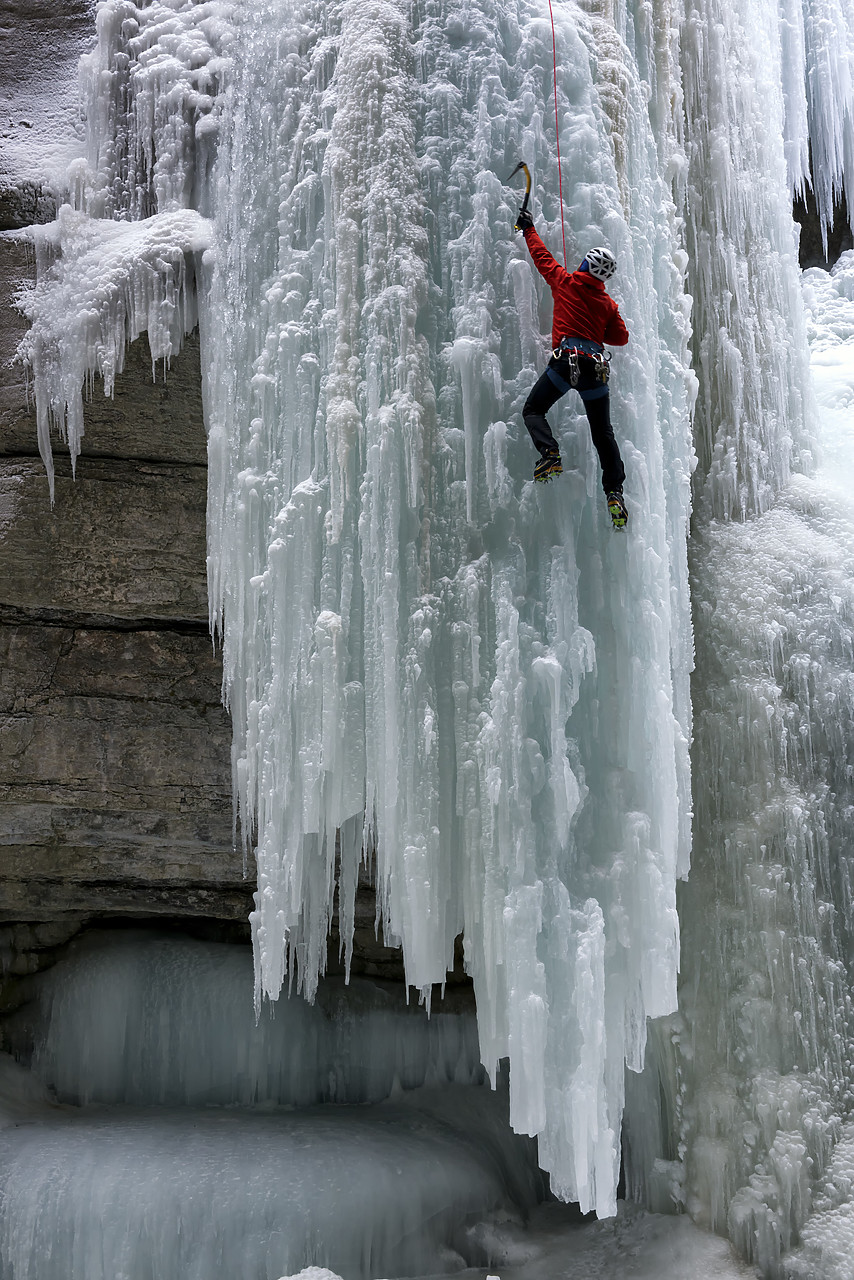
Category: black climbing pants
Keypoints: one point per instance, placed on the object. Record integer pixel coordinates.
(548, 390)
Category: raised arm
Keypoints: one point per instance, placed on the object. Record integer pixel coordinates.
(549, 268)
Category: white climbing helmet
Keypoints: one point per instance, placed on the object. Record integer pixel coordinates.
(601, 263)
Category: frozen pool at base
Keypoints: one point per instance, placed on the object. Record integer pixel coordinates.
(109, 1193)
(388, 1190)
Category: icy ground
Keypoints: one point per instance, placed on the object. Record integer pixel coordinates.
(633, 1246)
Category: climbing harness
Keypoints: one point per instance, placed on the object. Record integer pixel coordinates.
(557, 135)
(521, 165)
(571, 354)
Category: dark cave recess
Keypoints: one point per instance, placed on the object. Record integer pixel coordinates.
(839, 236)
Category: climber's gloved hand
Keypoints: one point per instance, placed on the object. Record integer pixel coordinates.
(523, 220)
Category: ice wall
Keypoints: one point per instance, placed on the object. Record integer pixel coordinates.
(764, 1040)
(749, 348)
(767, 1034)
(162, 1020)
(415, 639)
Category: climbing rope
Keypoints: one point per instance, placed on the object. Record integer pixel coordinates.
(557, 135)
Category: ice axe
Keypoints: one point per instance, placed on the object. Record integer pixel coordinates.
(522, 165)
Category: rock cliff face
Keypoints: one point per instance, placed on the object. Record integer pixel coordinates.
(115, 793)
(115, 790)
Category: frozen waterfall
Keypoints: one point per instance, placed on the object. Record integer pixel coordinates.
(471, 681)
(433, 666)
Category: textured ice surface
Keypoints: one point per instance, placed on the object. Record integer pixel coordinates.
(767, 1048)
(189, 1195)
(165, 1020)
(827, 1239)
(412, 631)
(753, 421)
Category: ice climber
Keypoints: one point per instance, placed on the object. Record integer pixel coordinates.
(585, 318)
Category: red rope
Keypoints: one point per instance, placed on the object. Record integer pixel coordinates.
(557, 135)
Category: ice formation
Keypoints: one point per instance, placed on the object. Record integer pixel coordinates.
(432, 664)
(121, 258)
(501, 667)
(767, 1045)
(243, 1173)
(752, 423)
(159, 1131)
(112, 281)
(155, 1020)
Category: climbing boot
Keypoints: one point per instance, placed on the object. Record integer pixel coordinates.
(617, 508)
(548, 466)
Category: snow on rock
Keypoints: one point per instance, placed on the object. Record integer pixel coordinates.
(100, 284)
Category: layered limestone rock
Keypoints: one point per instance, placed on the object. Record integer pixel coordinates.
(115, 791)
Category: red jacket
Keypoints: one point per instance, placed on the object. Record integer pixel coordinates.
(582, 307)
